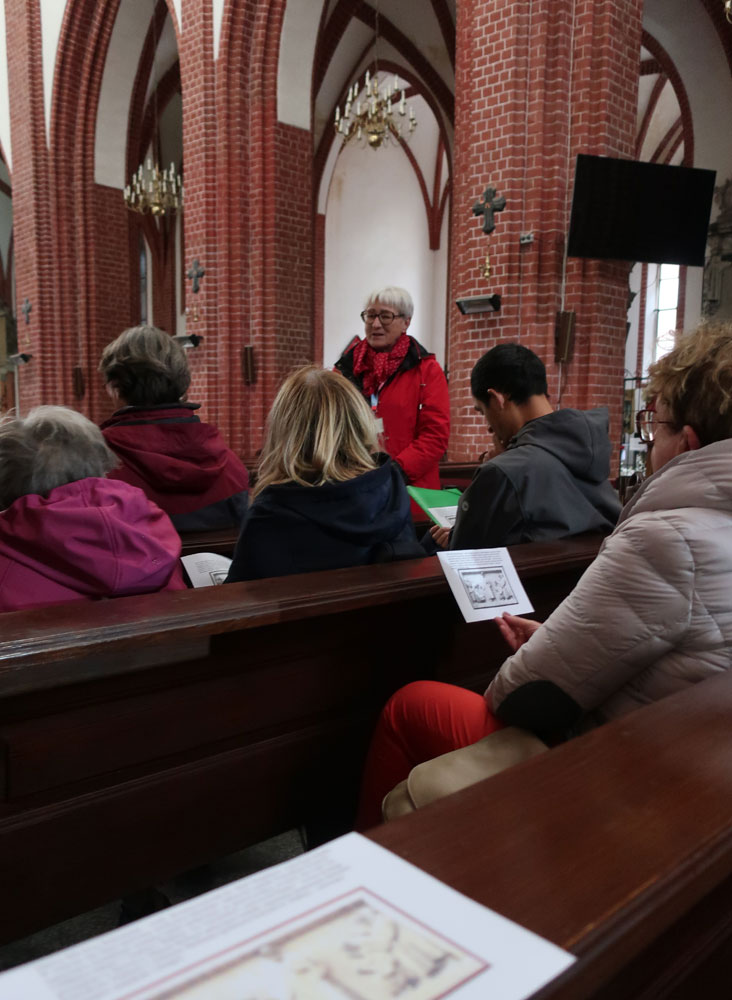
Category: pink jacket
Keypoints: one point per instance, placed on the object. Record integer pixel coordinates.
(89, 539)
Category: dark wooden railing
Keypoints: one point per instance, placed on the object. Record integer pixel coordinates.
(144, 735)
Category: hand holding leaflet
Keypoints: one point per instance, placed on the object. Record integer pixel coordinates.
(516, 631)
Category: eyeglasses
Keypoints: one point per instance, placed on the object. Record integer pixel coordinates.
(385, 317)
(646, 423)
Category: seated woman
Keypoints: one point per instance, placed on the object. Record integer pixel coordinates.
(180, 462)
(650, 617)
(66, 532)
(324, 498)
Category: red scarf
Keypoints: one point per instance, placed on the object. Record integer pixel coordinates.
(378, 366)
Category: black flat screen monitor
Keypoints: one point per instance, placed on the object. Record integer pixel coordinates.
(627, 210)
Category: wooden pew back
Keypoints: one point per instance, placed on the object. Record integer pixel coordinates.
(144, 735)
(616, 846)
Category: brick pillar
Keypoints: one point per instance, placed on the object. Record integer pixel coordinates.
(265, 223)
(90, 228)
(604, 109)
(203, 198)
(560, 77)
(31, 204)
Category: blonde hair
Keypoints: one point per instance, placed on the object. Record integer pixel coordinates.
(695, 382)
(50, 447)
(146, 367)
(320, 430)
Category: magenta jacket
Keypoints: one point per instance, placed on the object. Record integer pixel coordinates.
(89, 539)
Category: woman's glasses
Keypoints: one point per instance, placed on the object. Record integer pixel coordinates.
(646, 423)
(385, 317)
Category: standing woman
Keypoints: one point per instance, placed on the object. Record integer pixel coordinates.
(324, 498)
(404, 385)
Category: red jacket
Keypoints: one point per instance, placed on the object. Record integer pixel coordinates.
(414, 405)
(89, 539)
(181, 463)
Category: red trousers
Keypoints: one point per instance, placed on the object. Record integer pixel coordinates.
(421, 721)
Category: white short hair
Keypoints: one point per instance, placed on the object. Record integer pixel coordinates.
(398, 298)
(50, 447)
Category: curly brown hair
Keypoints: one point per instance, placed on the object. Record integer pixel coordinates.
(695, 382)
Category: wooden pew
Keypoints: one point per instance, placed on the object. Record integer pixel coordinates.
(143, 736)
(616, 846)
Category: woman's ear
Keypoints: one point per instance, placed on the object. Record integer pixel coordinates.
(691, 438)
(112, 391)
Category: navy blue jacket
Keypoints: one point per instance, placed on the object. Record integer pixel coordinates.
(299, 529)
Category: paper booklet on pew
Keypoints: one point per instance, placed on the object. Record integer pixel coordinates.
(485, 583)
(439, 505)
(347, 921)
(206, 569)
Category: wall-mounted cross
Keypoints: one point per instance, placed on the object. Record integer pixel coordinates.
(487, 207)
(26, 310)
(195, 272)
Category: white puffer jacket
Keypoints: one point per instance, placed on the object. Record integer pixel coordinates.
(653, 613)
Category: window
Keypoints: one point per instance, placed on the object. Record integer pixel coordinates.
(668, 299)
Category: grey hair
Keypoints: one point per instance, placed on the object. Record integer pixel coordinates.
(50, 447)
(398, 298)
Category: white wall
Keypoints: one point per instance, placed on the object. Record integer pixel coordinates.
(295, 63)
(4, 91)
(125, 45)
(376, 234)
(52, 15)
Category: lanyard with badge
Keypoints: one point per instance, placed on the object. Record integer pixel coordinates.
(375, 409)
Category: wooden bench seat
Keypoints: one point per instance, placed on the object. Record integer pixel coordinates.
(616, 846)
(145, 735)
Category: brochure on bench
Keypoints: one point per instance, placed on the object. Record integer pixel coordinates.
(206, 569)
(439, 505)
(485, 583)
(347, 921)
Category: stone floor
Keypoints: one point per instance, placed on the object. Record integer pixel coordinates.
(193, 883)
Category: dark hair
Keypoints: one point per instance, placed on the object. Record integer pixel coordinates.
(511, 369)
(146, 367)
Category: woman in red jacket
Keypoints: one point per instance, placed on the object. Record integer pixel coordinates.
(403, 383)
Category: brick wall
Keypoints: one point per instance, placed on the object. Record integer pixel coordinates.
(31, 202)
(535, 85)
(113, 309)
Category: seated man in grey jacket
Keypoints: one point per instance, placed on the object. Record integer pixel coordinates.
(552, 478)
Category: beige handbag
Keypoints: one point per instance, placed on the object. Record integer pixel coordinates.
(434, 779)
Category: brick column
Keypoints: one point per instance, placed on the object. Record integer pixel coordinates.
(556, 78)
(265, 223)
(203, 197)
(31, 203)
(604, 109)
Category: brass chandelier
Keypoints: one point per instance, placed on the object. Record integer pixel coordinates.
(154, 191)
(371, 115)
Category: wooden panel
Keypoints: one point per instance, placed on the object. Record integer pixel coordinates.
(605, 845)
(144, 735)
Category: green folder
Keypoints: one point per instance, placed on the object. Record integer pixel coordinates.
(434, 498)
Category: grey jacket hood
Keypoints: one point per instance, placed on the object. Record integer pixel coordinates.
(578, 438)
